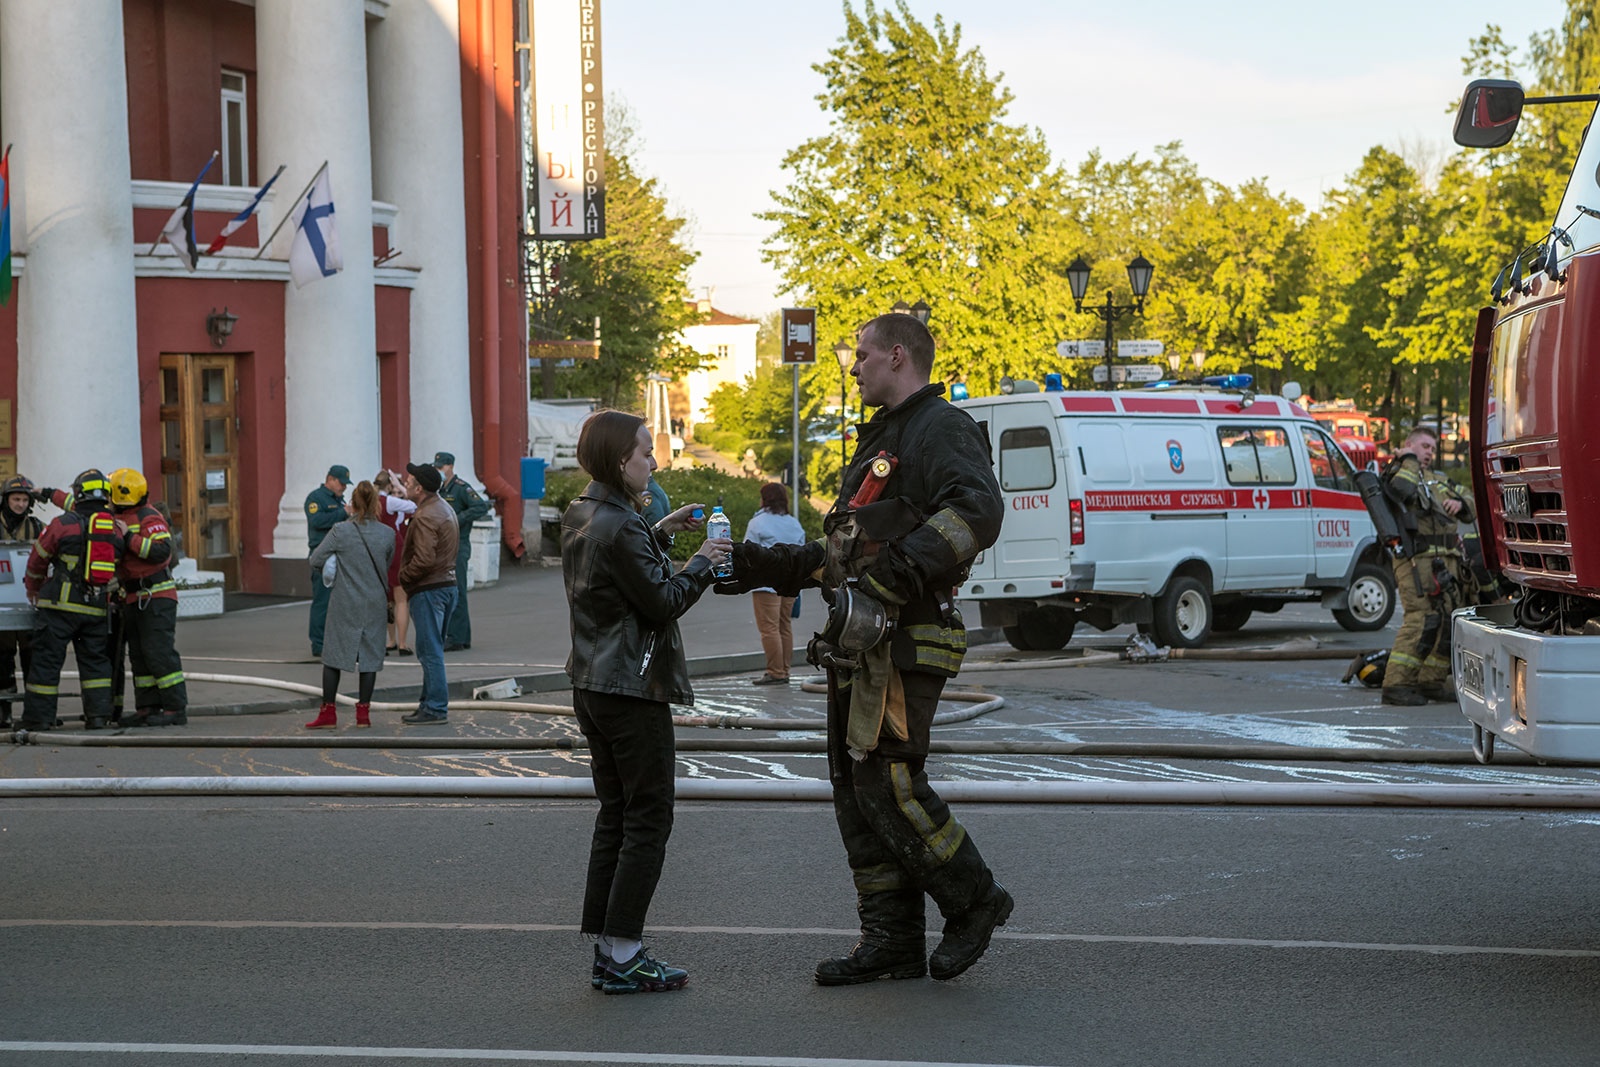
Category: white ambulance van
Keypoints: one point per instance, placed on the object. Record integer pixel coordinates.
(1180, 509)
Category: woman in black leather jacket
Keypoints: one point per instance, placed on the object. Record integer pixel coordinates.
(627, 664)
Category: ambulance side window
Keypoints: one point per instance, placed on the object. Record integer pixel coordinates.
(1027, 459)
(1256, 455)
(1330, 467)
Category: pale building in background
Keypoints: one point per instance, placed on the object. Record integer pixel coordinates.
(730, 342)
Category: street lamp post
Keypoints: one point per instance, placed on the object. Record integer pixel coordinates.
(919, 311)
(845, 354)
(1140, 271)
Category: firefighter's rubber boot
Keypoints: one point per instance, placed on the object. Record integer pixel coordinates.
(1405, 696)
(966, 937)
(868, 963)
(892, 941)
(364, 715)
(327, 719)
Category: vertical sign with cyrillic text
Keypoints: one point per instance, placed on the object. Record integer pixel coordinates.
(568, 106)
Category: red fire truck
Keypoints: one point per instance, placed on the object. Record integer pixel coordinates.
(1527, 671)
(1362, 437)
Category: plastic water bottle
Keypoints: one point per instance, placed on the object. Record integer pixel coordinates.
(719, 526)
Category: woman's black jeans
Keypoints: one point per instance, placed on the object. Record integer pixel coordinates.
(632, 758)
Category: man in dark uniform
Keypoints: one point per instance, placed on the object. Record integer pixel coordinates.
(1433, 579)
(324, 511)
(936, 506)
(469, 507)
(69, 580)
(18, 524)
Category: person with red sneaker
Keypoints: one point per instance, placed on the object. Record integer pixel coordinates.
(358, 607)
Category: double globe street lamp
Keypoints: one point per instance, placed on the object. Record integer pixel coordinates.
(1140, 271)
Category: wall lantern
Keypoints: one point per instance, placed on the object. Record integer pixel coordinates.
(220, 326)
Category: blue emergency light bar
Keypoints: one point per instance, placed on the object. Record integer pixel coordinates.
(1231, 381)
(958, 391)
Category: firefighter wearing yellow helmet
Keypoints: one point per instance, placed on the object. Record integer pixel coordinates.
(149, 606)
(69, 580)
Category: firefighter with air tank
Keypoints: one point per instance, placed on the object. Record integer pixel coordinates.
(149, 602)
(69, 577)
(1416, 513)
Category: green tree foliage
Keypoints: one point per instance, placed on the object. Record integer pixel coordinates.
(922, 190)
(632, 280)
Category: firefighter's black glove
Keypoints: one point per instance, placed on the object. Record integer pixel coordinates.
(44, 494)
(784, 568)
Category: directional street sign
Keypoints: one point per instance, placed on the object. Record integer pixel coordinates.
(1136, 349)
(1142, 372)
(1081, 349)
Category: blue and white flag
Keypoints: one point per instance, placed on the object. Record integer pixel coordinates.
(315, 252)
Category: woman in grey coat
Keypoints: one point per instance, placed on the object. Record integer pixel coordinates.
(358, 610)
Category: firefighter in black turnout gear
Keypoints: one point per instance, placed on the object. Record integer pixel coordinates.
(916, 504)
(69, 581)
(148, 603)
(18, 524)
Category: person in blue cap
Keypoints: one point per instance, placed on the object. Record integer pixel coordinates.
(469, 507)
(324, 510)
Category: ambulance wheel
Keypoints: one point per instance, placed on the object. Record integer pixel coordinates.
(1041, 631)
(1183, 613)
(1371, 599)
(1231, 617)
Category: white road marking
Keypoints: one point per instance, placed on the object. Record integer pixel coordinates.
(817, 931)
(504, 1055)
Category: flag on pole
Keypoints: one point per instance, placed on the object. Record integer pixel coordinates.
(232, 226)
(179, 230)
(315, 251)
(5, 227)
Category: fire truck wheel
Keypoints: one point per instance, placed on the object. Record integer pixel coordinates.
(1371, 599)
(1041, 631)
(1231, 617)
(1183, 613)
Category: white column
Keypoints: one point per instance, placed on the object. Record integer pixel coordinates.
(64, 88)
(415, 78)
(312, 71)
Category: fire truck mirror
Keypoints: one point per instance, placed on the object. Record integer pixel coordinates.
(1490, 109)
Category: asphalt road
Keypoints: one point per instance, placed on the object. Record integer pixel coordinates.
(307, 931)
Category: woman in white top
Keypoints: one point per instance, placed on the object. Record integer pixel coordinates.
(773, 525)
(395, 511)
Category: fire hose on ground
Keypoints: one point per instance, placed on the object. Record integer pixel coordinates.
(1253, 794)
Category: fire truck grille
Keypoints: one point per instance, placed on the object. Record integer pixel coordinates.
(1538, 544)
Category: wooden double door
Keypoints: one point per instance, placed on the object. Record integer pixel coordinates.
(200, 460)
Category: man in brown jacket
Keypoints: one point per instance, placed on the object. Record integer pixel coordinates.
(428, 574)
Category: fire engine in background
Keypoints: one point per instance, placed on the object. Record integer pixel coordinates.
(1528, 670)
(1362, 437)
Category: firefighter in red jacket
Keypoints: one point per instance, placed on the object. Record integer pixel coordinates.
(69, 579)
(150, 606)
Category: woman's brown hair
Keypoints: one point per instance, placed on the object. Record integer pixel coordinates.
(364, 502)
(606, 441)
(775, 498)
